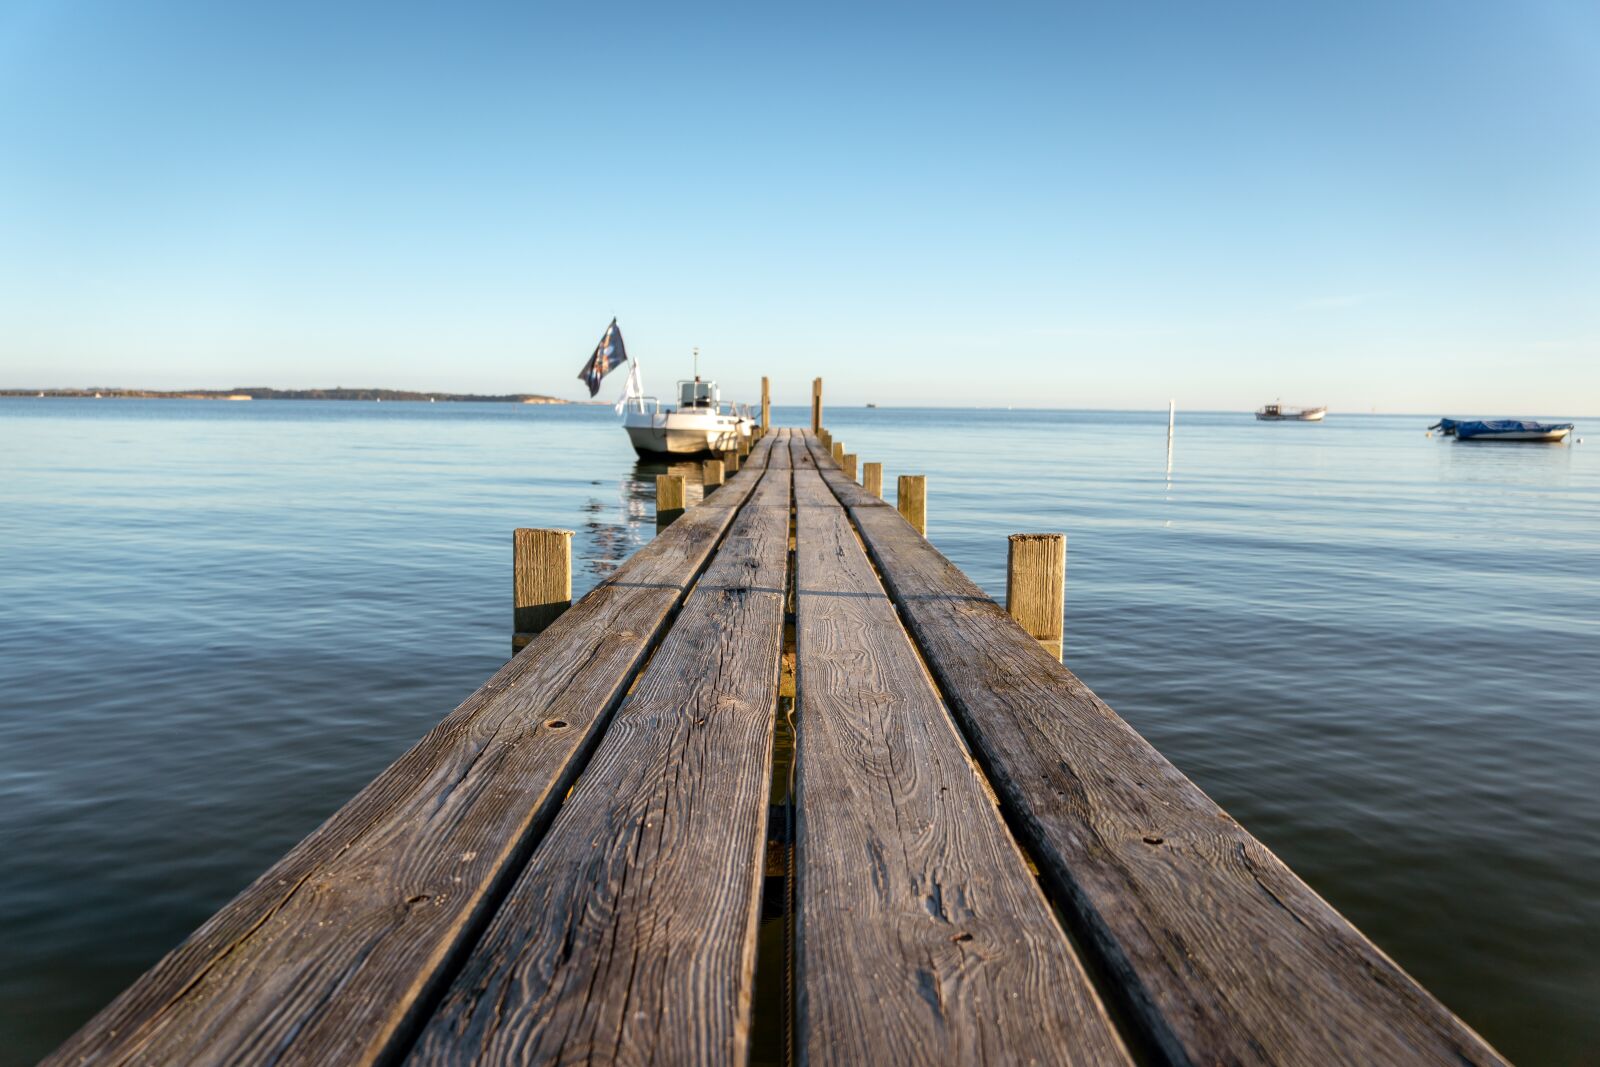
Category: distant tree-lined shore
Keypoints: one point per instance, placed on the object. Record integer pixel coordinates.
(263, 393)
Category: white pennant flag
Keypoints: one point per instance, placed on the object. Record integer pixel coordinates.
(634, 387)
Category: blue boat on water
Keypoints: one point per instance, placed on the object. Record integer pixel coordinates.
(1503, 430)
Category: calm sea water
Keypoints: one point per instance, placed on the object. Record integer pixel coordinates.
(1380, 652)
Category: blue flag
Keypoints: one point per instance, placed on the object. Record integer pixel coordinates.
(608, 355)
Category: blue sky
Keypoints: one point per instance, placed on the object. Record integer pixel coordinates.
(1366, 204)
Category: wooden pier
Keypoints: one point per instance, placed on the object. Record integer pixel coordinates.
(976, 860)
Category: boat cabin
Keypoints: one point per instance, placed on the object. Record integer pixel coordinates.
(1271, 409)
(698, 394)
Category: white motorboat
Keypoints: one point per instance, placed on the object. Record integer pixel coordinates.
(1279, 413)
(701, 422)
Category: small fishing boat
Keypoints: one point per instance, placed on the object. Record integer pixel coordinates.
(1522, 430)
(1279, 413)
(700, 423)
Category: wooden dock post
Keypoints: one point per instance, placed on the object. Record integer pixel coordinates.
(847, 463)
(872, 479)
(669, 499)
(730, 461)
(816, 405)
(837, 448)
(743, 446)
(711, 474)
(541, 582)
(1036, 583)
(911, 500)
(766, 406)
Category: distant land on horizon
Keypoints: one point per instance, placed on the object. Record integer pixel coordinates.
(263, 393)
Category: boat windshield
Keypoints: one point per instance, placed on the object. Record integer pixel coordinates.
(697, 394)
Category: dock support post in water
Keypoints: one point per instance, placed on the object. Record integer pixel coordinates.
(872, 479)
(848, 465)
(1036, 585)
(711, 474)
(669, 499)
(816, 405)
(541, 581)
(911, 500)
(766, 406)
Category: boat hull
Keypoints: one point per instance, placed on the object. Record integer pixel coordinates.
(1522, 436)
(1512, 430)
(675, 434)
(1309, 416)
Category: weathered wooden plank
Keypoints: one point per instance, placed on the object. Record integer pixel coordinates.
(774, 492)
(1222, 954)
(333, 953)
(630, 937)
(839, 490)
(921, 936)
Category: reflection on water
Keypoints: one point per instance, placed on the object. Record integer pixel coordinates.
(1377, 650)
(613, 531)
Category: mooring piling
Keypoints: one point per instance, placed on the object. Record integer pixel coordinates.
(1172, 419)
(1036, 582)
(671, 498)
(911, 500)
(847, 463)
(872, 478)
(816, 405)
(711, 474)
(541, 581)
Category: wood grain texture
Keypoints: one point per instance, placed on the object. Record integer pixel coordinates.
(711, 475)
(630, 937)
(329, 955)
(1221, 953)
(872, 478)
(671, 498)
(1036, 583)
(774, 492)
(921, 936)
(911, 500)
(541, 578)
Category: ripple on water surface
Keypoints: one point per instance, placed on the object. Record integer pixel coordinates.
(1377, 650)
